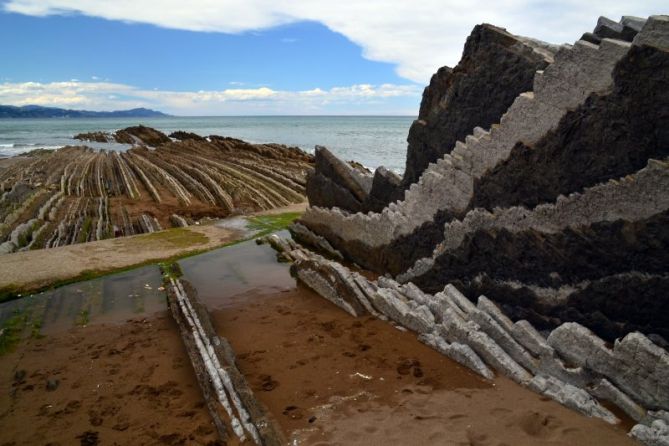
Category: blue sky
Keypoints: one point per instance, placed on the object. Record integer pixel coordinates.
(222, 57)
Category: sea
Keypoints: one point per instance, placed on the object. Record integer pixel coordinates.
(370, 140)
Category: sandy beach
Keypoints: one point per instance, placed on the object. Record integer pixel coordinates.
(331, 379)
(112, 384)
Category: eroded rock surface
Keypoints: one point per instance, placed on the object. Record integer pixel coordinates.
(77, 194)
(558, 212)
(572, 366)
(495, 68)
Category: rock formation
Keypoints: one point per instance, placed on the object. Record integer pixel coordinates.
(535, 239)
(495, 68)
(571, 365)
(77, 194)
(336, 183)
(395, 238)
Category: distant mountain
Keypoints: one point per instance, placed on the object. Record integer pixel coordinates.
(36, 111)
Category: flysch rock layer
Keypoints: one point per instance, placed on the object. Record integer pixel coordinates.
(448, 186)
(496, 66)
(598, 182)
(572, 365)
(76, 194)
(641, 197)
(335, 183)
(611, 306)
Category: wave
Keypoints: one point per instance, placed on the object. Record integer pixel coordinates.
(7, 150)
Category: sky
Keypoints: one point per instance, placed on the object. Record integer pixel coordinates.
(259, 57)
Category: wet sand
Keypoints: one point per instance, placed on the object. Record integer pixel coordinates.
(120, 384)
(332, 379)
(328, 378)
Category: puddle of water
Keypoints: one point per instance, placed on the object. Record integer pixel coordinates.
(109, 299)
(221, 274)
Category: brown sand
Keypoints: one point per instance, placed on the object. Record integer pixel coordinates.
(31, 270)
(331, 379)
(122, 384)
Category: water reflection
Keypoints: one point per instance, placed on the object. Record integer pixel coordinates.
(111, 299)
(227, 272)
(218, 275)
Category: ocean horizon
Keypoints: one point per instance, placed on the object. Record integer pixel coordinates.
(372, 140)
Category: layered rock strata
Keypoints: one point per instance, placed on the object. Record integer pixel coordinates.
(496, 66)
(611, 233)
(77, 194)
(395, 238)
(572, 365)
(559, 215)
(236, 413)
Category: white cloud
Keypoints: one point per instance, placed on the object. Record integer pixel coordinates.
(416, 36)
(113, 96)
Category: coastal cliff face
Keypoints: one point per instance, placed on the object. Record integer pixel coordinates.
(76, 194)
(558, 211)
(495, 68)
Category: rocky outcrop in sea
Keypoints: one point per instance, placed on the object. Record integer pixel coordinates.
(77, 194)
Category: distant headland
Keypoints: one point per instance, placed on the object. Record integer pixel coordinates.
(37, 111)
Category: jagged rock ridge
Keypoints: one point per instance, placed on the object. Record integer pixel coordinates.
(557, 212)
(496, 66)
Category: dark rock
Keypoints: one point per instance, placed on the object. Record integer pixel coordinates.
(94, 137)
(611, 306)
(495, 68)
(635, 23)
(659, 340)
(89, 438)
(626, 29)
(20, 376)
(592, 38)
(553, 259)
(52, 384)
(182, 136)
(385, 189)
(608, 29)
(141, 134)
(334, 183)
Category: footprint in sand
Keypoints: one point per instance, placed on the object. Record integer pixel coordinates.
(410, 366)
(538, 424)
(293, 412)
(268, 384)
(477, 438)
